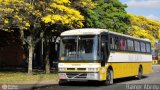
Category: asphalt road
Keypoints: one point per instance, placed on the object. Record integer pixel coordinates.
(149, 82)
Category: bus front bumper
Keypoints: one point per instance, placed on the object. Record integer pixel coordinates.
(79, 76)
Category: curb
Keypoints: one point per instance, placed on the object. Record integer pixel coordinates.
(28, 86)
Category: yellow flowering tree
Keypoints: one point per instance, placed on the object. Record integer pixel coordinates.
(60, 11)
(144, 28)
(36, 17)
(22, 15)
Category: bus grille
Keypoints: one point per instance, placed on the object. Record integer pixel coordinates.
(81, 69)
(76, 75)
(78, 69)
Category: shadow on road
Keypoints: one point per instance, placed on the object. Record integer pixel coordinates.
(96, 83)
(91, 84)
(127, 79)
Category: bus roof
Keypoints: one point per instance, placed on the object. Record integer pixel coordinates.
(95, 31)
(85, 31)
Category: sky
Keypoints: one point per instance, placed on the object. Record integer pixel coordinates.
(147, 8)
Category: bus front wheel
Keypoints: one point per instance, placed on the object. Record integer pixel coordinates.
(109, 77)
(62, 82)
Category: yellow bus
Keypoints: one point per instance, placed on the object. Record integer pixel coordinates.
(102, 55)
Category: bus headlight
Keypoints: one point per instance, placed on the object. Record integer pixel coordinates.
(62, 76)
(62, 69)
(93, 69)
(103, 70)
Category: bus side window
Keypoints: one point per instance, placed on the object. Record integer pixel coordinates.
(148, 47)
(124, 44)
(130, 45)
(143, 47)
(116, 46)
(137, 45)
(120, 43)
(111, 42)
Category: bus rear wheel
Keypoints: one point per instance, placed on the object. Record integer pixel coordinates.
(140, 73)
(109, 77)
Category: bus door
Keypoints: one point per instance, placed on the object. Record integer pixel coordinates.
(104, 49)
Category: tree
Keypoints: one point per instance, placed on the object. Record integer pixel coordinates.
(23, 15)
(144, 28)
(109, 14)
(35, 17)
(58, 13)
(86, 7)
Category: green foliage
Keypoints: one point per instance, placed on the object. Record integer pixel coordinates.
(86, 8)
(108, 15)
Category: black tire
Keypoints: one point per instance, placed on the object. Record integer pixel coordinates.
(140, 73)
(109, 77)
(62, 82)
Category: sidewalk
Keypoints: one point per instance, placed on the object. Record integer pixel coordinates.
(39, 84)
(28, 85)
(14, 80)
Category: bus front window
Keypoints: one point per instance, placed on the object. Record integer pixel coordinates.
(79, 48)
(68, 47)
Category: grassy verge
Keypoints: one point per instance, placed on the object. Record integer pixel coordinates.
(23, 78)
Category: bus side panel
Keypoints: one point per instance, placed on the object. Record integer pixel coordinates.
(147, 68)
(129, 69)
(127, 64)
(124, 69)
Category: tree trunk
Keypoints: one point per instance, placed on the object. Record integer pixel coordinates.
(47, 62)
(22, 36)
(31, 49)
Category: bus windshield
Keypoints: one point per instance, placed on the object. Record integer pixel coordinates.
(79, 47)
